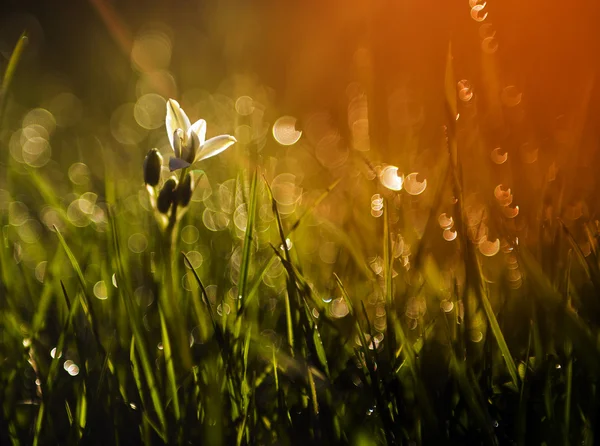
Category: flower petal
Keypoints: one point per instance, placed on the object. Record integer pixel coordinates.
(176, 119)
(214, 146)
(177, 163)
(190, 148)
(199, 128)
(177, 142)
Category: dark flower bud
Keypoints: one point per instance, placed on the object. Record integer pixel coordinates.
(152, 166)
(166, 195)
(184, 191)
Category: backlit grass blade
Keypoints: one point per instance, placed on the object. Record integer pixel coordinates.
(248, 238)
(287, 297)
(590, 269)
(316, 203)
(85, 301)
(499, 336)
(11, 69)
(54, 365)
(171, 377)
(568, 395)
(216, 327)
(253, 290)
(137, 375)
(574, 328)
(138, 336)
(13, 62)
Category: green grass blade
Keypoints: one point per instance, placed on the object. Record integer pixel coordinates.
(291, 288)
(13, 62)
(85, 301)
(138, 335)
(248, 238)
(10, 71)
(499, 336)
(171, 377)
(316, 203)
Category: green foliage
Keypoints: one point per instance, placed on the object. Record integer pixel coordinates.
(115, 344)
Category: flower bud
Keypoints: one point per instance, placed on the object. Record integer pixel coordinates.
(184, 191)
(166, 195)
(152, 166)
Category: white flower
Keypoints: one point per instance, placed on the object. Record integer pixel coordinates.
(188, 140)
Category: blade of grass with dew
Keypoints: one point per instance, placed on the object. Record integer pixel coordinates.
(247, 389)
(225, 352)
(216, 327)
(138, 334)
(499, 336)
(137, 376)
(248, 236)
(382, 407)
(85, 301)
(363, 341)
(317, 344)
(54, 365)
(473, 398)
(171, 377)
(469, 390)
(288, 308)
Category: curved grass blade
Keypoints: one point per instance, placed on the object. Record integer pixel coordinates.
(497, 332)
(11, 69)
(248, 240)
(216, 327)
(291, 288)
(316, 203)
(171, 377)
(590, 269)
(85, 300)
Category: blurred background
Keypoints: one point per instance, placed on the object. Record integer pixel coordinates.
(320, 90)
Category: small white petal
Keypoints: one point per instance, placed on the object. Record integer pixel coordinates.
(176, 119)
(177, 163)
(214, 146)
(199, 128)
